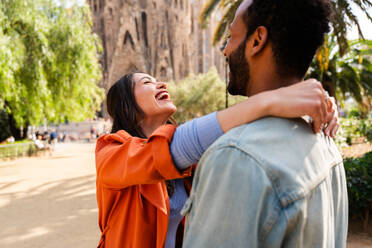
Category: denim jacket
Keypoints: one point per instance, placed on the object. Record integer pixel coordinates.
(271, 183)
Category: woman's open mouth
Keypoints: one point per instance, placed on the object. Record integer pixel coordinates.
(162, 96)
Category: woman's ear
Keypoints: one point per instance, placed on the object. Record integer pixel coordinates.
(258, 40)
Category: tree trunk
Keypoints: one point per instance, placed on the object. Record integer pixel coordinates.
(4, 126)
(366, 220)
(16, 132)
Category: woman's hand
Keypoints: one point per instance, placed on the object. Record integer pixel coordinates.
(333, 122)
(305, 98)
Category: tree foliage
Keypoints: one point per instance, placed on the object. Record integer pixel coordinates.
(198, 95)
(344, 67)
(49, 65)
(348, 75)
(359, 186)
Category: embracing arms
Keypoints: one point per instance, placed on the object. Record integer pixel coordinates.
(306, 98)
(123, 160)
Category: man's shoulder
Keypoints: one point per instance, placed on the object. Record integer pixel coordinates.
(270, 131)
(291, 155)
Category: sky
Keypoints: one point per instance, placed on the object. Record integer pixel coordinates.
(365, 24)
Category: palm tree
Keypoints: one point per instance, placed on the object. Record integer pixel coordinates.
(345, 68)
(343, 18)
(345, 76)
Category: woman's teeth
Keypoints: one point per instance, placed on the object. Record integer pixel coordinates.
(163, 96)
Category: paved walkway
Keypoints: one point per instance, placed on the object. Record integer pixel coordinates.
(49, 201)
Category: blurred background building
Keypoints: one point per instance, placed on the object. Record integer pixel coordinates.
(159, 37)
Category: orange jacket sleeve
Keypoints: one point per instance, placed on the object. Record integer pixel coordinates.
(123, 160)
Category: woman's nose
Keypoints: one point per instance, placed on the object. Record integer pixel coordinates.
(162, 85)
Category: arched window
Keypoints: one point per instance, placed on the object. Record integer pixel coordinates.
(101, 4)
(162, 40)
(128, 38)
(163, 72)
(95, 6)
(192, 20)
(144, 28)
(137, 30)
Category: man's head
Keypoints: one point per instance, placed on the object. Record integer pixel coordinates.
(279, 36)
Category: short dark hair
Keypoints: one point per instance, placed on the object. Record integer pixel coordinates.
(296, 29)
(123, 108)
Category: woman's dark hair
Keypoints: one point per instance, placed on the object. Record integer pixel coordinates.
(123, 108)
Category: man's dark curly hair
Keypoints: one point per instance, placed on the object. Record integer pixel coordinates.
(296, 29)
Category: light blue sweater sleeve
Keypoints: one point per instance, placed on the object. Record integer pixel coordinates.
(192, 138)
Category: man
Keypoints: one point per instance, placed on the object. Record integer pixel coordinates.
(271, 183)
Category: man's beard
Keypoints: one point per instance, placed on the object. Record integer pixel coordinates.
(239, 69)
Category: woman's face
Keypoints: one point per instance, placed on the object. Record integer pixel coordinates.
(152, 97)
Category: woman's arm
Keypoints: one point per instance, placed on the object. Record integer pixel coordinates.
(123, 160)
(192, 138)
(306, 98)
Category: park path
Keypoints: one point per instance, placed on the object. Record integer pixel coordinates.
(49, 201)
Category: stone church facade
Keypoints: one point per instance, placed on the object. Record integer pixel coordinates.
(159, 37)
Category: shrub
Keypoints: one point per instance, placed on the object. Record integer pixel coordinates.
(17, 149)
(359, 185)
(198, 95)
(353, 129)
(354, 113)
(369, 134)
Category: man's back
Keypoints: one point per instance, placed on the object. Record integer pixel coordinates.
(271, 183)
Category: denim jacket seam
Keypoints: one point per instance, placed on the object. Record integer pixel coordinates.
(285, 199)
(273, 219)
(268, 225)
(288, 198)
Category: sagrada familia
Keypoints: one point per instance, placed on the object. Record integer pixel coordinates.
(160, 37)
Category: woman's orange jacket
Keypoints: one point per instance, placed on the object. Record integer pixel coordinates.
(132, 197)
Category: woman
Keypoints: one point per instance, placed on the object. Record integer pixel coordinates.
(140, 189)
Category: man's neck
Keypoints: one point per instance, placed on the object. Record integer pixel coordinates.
(266, 81)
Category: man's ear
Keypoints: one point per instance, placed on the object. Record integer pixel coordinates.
(258, 40)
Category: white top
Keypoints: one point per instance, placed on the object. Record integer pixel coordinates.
(39, 144)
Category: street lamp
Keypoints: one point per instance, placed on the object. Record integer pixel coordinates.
(226, 77)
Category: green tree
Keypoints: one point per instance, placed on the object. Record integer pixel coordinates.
(343, 17)
(49, 65)
(343, 67)
(198, 95)
(348, 75)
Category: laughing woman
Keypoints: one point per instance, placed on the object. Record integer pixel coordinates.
(142, 164)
